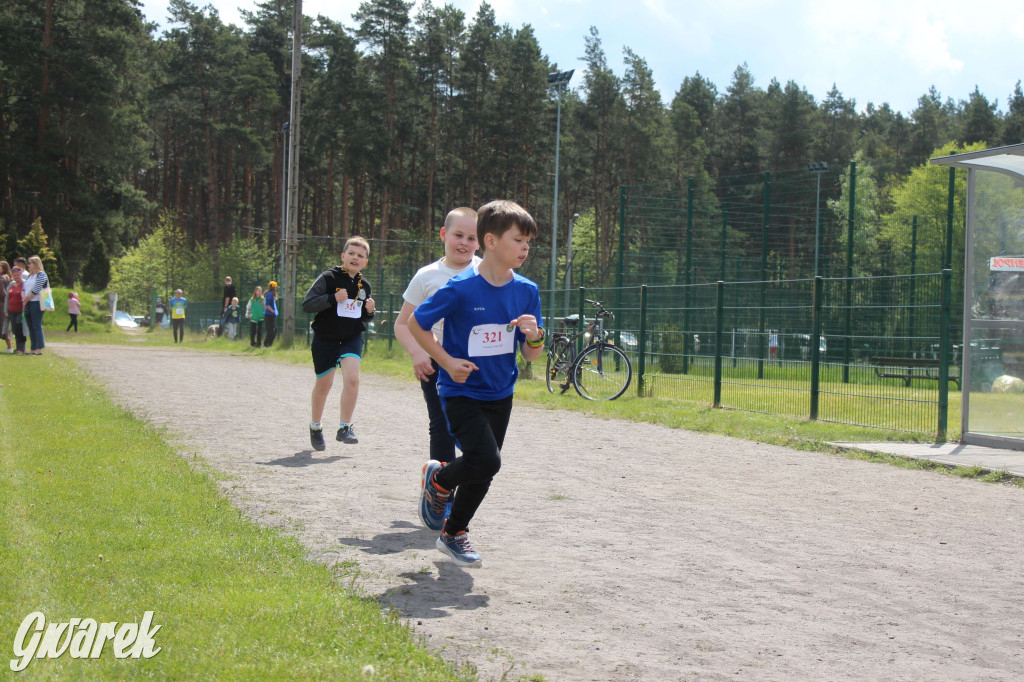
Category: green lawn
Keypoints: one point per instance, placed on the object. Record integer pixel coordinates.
(100, 518)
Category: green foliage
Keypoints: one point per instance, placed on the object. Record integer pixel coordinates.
(925, 193)
(166, 261)
(96, 271)
(670, 361)
(867, 210)
(35, 244)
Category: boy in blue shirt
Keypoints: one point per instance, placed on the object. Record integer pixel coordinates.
(489, 311)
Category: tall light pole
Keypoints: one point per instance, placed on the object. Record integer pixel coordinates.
(818, 169)
(559, 80)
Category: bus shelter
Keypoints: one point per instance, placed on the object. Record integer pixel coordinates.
(992, 373)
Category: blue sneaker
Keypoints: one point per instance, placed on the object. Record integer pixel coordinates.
(433, 500)
(458, 548)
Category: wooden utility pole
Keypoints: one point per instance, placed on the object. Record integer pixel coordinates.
(290, 233)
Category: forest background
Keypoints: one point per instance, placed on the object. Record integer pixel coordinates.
(123, 152)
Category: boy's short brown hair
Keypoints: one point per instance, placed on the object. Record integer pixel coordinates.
(498, 217)
(457, 213)
(358, 241)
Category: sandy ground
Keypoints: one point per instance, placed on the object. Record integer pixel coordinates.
(615, 551)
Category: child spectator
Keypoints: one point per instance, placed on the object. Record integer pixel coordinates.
(340, 297)
(488, 312)
(232, 315)
(178, 304)
(74, 308)
(254, 312)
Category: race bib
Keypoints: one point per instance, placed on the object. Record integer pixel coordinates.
(350, 307)
(492, 339)
(179, 310)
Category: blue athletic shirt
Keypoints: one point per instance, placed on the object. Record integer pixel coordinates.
(476, 328)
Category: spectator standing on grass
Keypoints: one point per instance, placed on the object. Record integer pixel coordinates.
(74, 308)
(6, 278)
(229, 293)
(489, 313)
(16, 307)
(178, 304)
(159, 310)
(231, 318)
(773, 345)
(254, 312)
(31, 294)
(270, 307)
(460, 244)
(340, 297)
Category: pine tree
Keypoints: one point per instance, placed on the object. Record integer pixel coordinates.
(96, 271)
(35, 243)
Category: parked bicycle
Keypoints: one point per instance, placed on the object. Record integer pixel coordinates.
(601, 371)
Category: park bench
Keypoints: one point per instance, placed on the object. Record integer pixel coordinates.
(912, 368)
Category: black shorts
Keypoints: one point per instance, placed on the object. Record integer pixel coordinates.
(327, 354)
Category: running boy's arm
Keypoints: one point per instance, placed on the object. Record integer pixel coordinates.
(421, 366)
(458, 369)
(317, 298)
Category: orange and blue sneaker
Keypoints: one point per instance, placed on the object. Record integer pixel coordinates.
(433, 498)
(457, 547)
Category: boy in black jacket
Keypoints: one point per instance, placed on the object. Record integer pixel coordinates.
(341, 300)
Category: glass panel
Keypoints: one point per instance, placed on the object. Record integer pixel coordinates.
(996, 323)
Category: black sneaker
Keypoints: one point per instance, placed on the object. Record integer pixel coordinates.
(347, 435)
(316, 439)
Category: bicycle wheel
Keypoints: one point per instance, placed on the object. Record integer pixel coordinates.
(559, 362)
(602, 372)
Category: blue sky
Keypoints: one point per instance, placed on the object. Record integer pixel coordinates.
(872, 50)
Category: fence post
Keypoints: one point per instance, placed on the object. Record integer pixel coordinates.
(686, 294)
(725, 222)
(913, 279)
(850, 222)
(819, 286)
(391, 320)
(764, 273)
(642, 345)
(719, 326)
(947, 297)
(947, 259)
(580, 325)
(622, 248)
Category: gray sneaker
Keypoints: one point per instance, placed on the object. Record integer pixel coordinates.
(316, 439)
(347, 435)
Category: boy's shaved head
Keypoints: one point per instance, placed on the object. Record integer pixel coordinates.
(456, 214)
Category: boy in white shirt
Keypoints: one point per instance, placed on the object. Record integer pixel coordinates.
(460, 245)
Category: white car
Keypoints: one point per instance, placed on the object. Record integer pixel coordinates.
(123, 319)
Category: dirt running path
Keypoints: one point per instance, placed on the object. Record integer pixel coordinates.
(617, 551)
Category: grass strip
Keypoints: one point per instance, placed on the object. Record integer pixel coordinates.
(100, 518)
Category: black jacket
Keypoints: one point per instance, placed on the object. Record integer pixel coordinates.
(320, 300)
